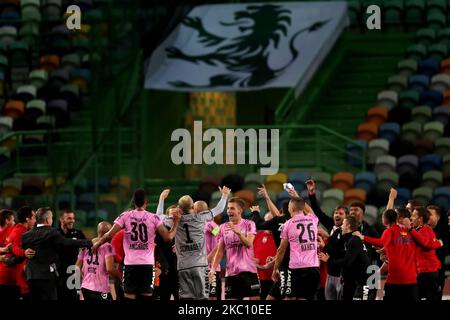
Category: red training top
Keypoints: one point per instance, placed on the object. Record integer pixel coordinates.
(264, 247)
(426, 258)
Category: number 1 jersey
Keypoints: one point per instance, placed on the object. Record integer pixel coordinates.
(139, 238)
(301, 233)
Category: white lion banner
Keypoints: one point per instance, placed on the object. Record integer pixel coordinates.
(246, 47)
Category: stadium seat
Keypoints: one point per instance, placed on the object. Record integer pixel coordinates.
(355, 152)
(416, 52)
(367, 131)
(423, 195)
(446, 163)
(408, 67)
(52, 9)
(377, 147)
(86, 201)
(322, 179)
(26, 93)
(386, 163)
(442, 146)
(411, 131)
(331, 198)
(81, 78)
(437, 52)
(377, 115)
(441, 197)
(6, 125)
(298, 180)
(421, 114)
(366, 181)
(253, 181)
(426, 36)
(408, 99)
(29, 33)
(431, 98)
(386, 181)
(440, 82)
(49, 62)
(38, 78)
(389, 131)
(432, 179)
(443, 35)
(387, 99)
(406, 163)
(343, 181)
(14, 109)
(436, 20)
(418, 82)
(31, 14)
(60, 110)
(59, 77)
(433, 130)
(275, 182)
(445, 66)
(415, 11)
(71, 61)
(442, 114)
(64, 200)
(397, 83)
(355, 195)
(430, 162)
(403, 195)
(46, 122)
(8, 34)
(35, 108)
(109, 203)
(71, 93)
(11, 187)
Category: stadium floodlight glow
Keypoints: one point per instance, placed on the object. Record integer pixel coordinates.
(213, 153)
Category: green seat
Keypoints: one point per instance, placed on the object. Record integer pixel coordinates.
(38, 104)
(29, 32)
(421, 114)
(20, 51)
(27, 89)
(8, 34)
(443, 35)
(72, 88)
(414, 11)
(31, 14)
(437, 51)
(440, 82)
(32, 3)
(416, 52)
(81, 45)
(377, 148)
(426, 36)
(432, 179)
(331, 198)
(398, 82)
(38, 77)
(387, 180)
(51, 9)
(423, 195)
(393, 10)
(436, 19)
(407, 67)
(71, 60)
(433, 130)
(408, 99)
(437, 6)
(442, 146)
(411, 131)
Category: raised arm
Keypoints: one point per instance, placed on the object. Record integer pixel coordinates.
(425, 239)
(270, 205)
(169, 235)
(162, 197)
(220, 207)
(107, 236)
(383, 242)
(392, 197)
(323, 217)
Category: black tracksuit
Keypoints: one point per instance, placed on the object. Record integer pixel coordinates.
(441, 230)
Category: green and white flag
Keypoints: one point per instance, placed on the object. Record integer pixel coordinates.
(233, 47)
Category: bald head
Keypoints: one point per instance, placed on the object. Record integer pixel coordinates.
(103, 227)
(200, 206)
(186, 204)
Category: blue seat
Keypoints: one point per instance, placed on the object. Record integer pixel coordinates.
(403, 195)
(429, 67)
(431, 98)
(86, 201)
(366, 181)
(283, 195)
(430, 162)
(389, 131)
(419, 82)
(354, 154)
(298, 179)
(441, 197)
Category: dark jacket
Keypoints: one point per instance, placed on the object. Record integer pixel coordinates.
(441, 230)
(335, 248)
(46, 241)
(68, 256)
(324, 219)
(370, 231)
(354, 263)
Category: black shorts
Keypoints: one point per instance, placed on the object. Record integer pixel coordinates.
(138, 279)
(244, 284)
(215, 287)
(278, 290)
(89, 295)
(303, 283)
